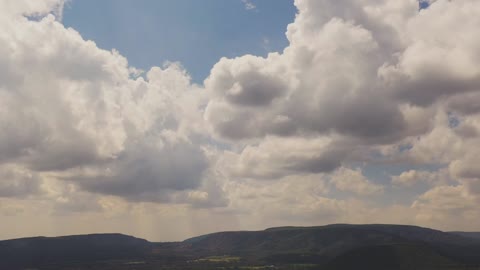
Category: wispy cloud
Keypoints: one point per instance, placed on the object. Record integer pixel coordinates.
(266, 44)
(249, 5)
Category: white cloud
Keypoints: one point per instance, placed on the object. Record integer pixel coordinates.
(30, 7)
(413, 177)
(365, 76)
(72, 109)
(361, 82)
(18, 182)
(448, 207)
(278, 157)
(354, 181)
(249, 5)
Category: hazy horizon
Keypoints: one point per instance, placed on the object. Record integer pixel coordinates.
(223, 231)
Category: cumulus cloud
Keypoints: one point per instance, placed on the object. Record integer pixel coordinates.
(451, 206)
(304, 197)
(71, 109)
(298, 98)
(18, 182)
(278, 157)
(342, 74)
(361, 82)
(413, 177)
(421, 64)
(350, 72)
(150, 172)
(31, 8)
(354, 181)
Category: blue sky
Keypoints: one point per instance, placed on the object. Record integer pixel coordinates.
(195, 33)
(342, 126)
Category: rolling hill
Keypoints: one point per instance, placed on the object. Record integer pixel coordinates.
(475, 235)
(321, 244)
(46, 250)
(340, 246)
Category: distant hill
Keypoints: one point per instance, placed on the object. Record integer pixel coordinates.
(323, 243)
(44, 250)
(392, 257)
(332, 247)
(468, 234)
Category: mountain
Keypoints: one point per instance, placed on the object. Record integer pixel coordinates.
(332, 247)
(475, 235)
(44, 250)
(324, 243)
(392, 257)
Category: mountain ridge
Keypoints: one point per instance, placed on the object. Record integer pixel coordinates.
(329, 246)
(473, 234)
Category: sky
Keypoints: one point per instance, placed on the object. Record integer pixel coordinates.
(170, 119)
(195, 33)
